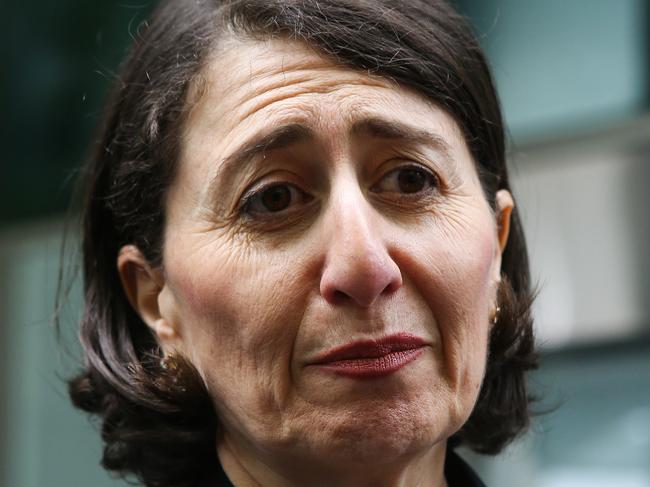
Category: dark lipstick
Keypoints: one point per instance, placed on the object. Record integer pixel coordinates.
(366, 359)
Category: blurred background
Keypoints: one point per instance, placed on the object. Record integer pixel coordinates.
(574, 78)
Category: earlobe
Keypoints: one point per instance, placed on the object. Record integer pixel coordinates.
(143, 286)
(163, 330)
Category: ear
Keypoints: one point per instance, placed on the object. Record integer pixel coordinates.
(503, 211)
(504, 207)
(144, 287)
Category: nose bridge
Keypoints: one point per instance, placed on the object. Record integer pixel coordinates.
(354, 227)
(358, 265)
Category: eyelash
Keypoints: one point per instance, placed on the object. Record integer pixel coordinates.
(430, 177)
(254, 197)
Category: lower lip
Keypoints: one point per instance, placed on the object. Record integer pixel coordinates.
(370, 368)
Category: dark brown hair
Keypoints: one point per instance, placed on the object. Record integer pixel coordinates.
(159, 425)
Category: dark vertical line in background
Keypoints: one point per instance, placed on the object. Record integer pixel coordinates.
(646, 59)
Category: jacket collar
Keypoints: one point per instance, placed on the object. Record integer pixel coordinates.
(457, 472)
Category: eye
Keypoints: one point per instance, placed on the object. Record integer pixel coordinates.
(275, 198)
(408, 180)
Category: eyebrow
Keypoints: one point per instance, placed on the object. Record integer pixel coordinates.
(392, 130)
(278, 138)
(287, 135)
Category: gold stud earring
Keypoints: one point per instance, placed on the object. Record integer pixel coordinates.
(171, 365)
(495, 316)
(169, 362)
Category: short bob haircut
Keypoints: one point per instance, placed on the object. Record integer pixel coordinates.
(159, 425)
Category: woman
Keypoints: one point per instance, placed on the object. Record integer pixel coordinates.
(303, 264)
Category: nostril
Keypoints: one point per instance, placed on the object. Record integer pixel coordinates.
(394, 284)
(336, 297)
(339, 296)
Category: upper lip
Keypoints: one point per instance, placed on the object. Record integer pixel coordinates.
(379, 347)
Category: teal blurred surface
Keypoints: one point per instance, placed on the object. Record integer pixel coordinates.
(45, 442)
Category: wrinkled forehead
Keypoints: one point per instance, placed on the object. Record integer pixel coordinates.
(244, 79)
(274, 93)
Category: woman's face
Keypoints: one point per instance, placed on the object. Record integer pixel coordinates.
(316, 207)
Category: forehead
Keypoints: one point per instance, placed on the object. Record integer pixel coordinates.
(245, 82)
(250, 89)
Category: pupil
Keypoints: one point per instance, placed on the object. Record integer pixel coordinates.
(411, 180)
(276, 198)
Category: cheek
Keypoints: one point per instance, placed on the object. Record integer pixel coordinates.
(238, 329)
(454, 274)
(465, 324)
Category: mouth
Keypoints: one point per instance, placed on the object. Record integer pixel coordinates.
(368, 359)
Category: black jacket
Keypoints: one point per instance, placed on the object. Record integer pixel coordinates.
(457, 473)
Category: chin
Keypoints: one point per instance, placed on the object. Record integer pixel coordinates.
(380, 432)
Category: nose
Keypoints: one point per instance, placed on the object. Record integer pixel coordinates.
(358, 267)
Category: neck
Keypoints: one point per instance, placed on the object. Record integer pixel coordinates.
(245, 470)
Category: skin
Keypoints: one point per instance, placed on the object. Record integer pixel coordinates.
(250, 297)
